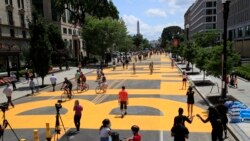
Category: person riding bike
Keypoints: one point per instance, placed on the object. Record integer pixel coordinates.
(83, 80)
(67, 85)
(103, 83)
(77, 78)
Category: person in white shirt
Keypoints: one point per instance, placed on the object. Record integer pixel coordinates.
(13, 80)
(8, 92)
(53, 80)
(105, 130)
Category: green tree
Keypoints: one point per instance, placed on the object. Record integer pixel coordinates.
(190, 53)
(214, 65)
(40, 50)
(169, 32)
(137, 40)
(102, 35)
(202, 59)
(80, 8)
(206, 39)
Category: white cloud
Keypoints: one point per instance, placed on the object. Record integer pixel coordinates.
(175, 6)
(156, 12)
(151, 32)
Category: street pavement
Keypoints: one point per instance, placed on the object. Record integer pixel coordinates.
(153, 103)
(241, 130)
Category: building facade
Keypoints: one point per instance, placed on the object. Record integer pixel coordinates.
(70, 33)
(14, 32)
(201, 17)
(238, 25)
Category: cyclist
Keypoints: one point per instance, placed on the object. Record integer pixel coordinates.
(77, 78)
(67, 85)
(103, 83)
(83, 80)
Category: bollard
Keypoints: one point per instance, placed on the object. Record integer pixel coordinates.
(22, 139)
(48, 134)
(36, 138)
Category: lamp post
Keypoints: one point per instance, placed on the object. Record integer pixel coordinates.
(187, 28)
(224, 72)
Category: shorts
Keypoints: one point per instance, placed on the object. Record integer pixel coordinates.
(54, 84)
(184, 79)
(78, 81)
(123, 105)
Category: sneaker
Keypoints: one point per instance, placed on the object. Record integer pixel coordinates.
(125, 113)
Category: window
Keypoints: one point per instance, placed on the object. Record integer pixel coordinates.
(79, 32)
(10, 15)
(74, 32)
(24, 34)
(70, 31)
(214, 11)
(214, 19)
(209, 19)
(22, 4)
(11, 3)
(22, 20)
(12, 33)
(0, 32)
(18, 3)
(64, 17)
(209, 4)
(240, 32)
(70, 44)
(65, 30)
(6, 1)
(209, 12)
(247, 30)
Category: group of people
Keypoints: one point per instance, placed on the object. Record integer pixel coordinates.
(102, 80)
(232, 80)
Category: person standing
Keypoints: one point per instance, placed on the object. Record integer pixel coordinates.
(178, 131)
(114, 65)
(172, 63)
(127, 61)
(123, 100)
(190, 101)
(53, 80)
(8, 92)
(214, 118)
(136, 136)
(223, 110)
(78, 114)
(184, 80)
(134, 70)
(32, 85)
(13, 80)
(184, 118)
(123, 64)
(105, 130)
(83, 80)
(235, 81)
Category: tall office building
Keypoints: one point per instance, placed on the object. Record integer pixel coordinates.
(200, 16)
(238, 25)
(70, 33)
(14, 32)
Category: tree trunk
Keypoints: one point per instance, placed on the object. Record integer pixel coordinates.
(42, 81)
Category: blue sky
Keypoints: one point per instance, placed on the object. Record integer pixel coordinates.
(153, 15)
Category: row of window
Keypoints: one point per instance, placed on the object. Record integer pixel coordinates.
(240, 32)
(211, 4)
(69, 31)
(11, 20)
(12, 33)
(20, 3)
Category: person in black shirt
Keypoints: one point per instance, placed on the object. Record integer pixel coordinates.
(222, 110)
(67, 86)
(184, 118)
(179, 132)
(214, 118)
(190, 101)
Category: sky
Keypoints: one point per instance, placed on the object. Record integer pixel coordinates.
(153, 15)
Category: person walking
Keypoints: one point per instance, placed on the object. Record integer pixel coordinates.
(151, 67)
(83, 80)
(8, 92)
(235, 81)
(134, 70)
(53, 80)
(78, 114)
(13, 80)
(123, 100)
(190, 101)
(32, 85)
(123, 64)
(184, 80)
(223, 110)
(179, 131)
(172, 63)
(127, 62)
(184, 118)
(105, 130)
(214, 118)
(77, 78)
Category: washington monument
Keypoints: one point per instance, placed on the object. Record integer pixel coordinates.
(138, 27)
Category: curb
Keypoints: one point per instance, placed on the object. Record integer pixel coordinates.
(49, 86)
(209, 104)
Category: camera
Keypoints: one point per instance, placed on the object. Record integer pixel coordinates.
(4, 106)
(58, 105)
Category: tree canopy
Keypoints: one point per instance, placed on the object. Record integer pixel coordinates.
(169, 32)
(80, 8)
(206, 39)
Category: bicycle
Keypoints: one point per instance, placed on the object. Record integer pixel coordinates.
(65, 95)
(84, 87)
(100, 88)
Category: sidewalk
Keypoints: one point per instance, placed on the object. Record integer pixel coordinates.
(23, 87)
(240, 130)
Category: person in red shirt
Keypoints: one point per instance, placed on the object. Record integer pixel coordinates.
(137, 137)
(123, 100)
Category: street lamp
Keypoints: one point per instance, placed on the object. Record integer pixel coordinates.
(187, 28)
(224, 72)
